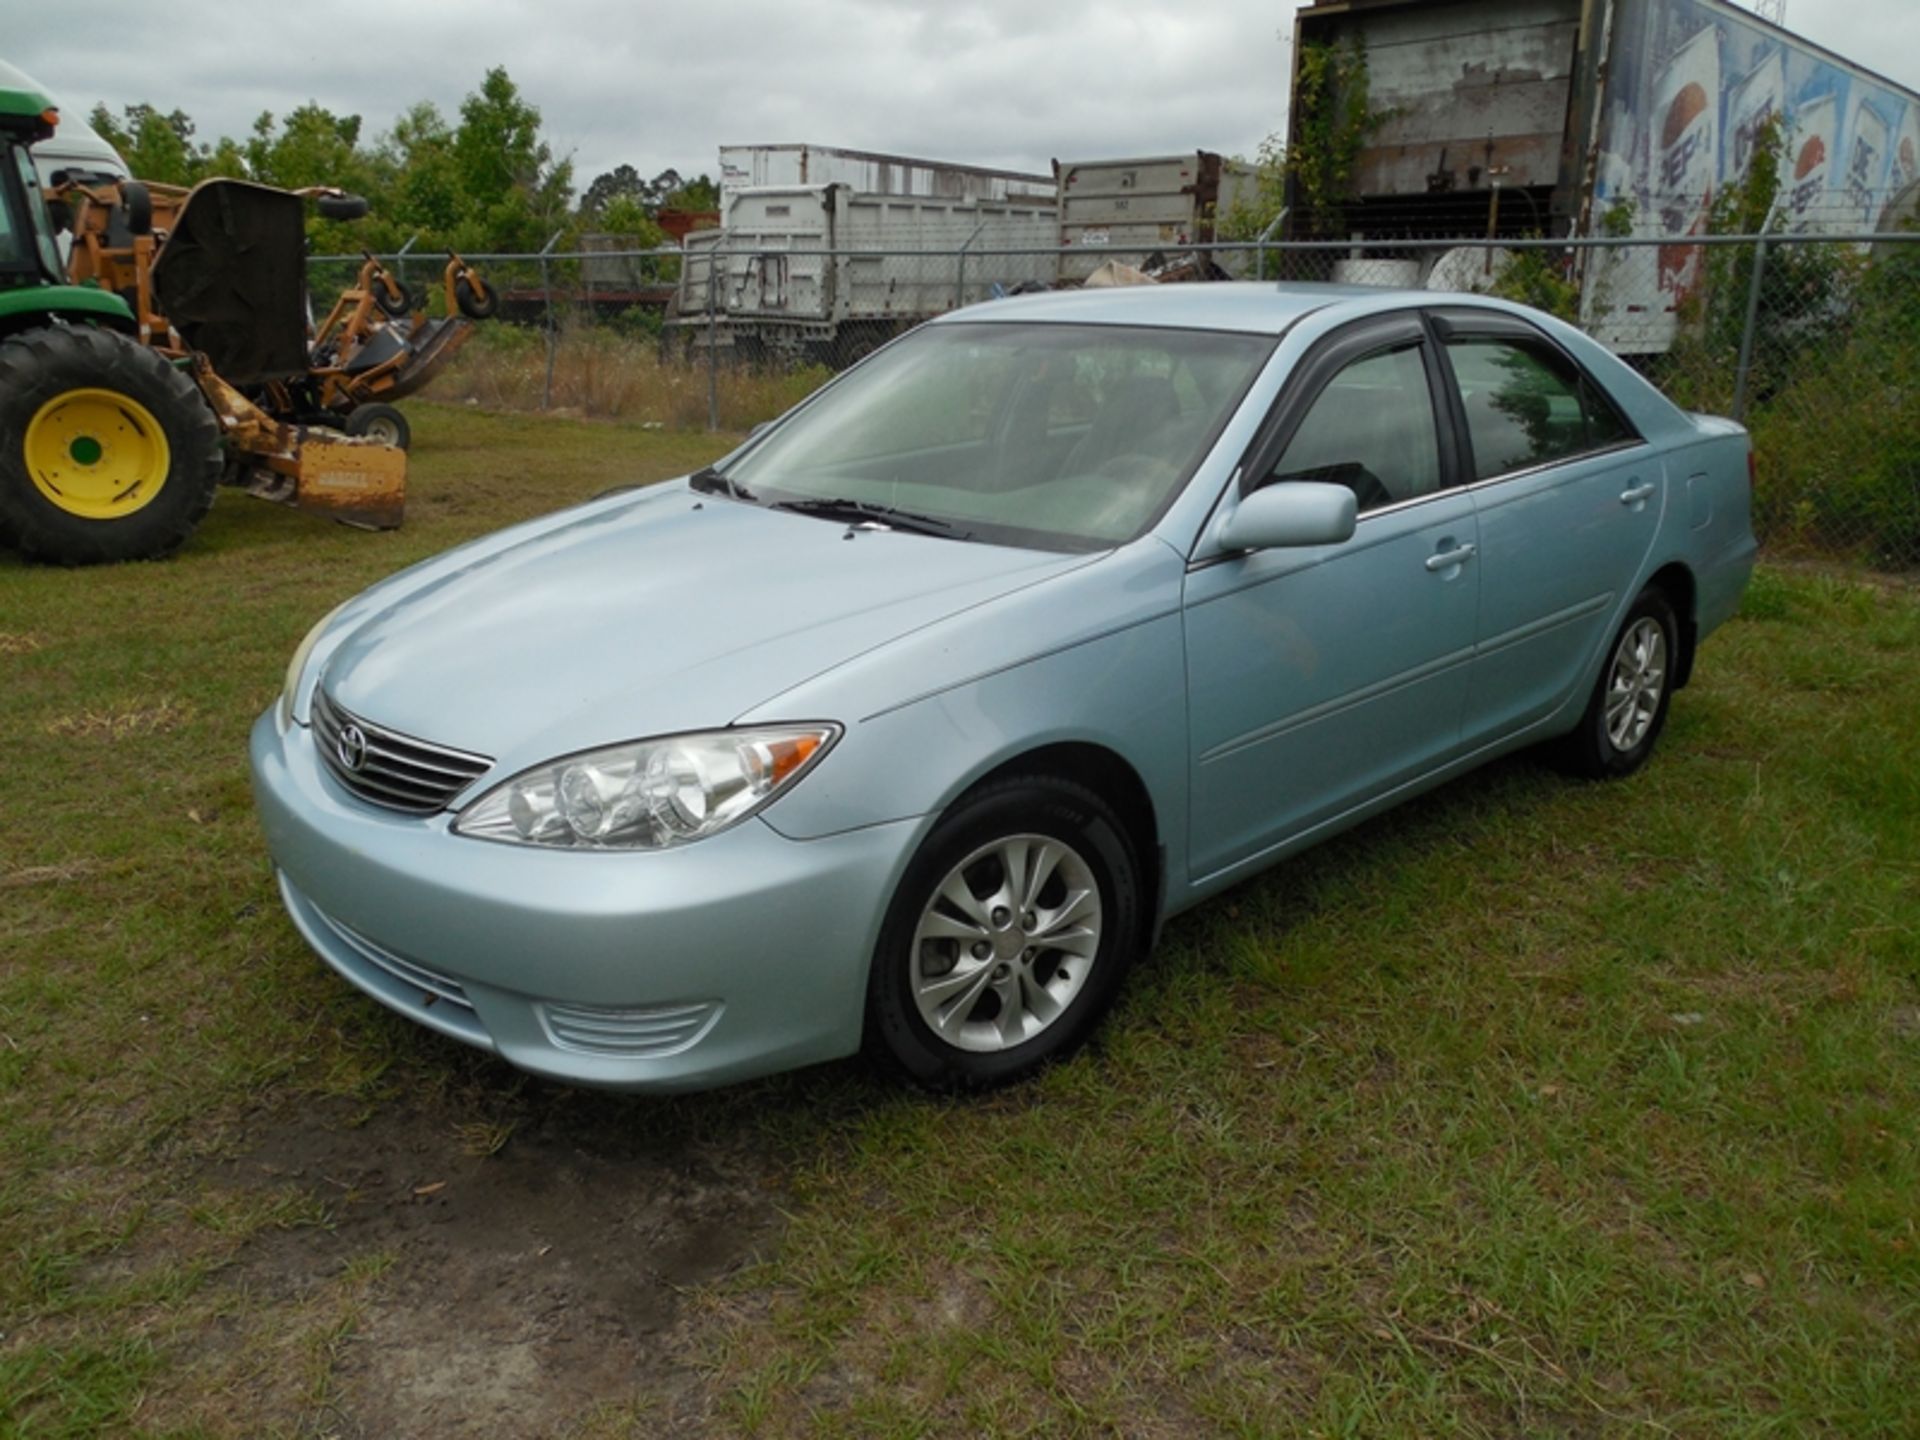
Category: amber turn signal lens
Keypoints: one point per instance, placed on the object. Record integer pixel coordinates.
(788, 756)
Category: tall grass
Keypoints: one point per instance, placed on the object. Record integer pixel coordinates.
(606, 374)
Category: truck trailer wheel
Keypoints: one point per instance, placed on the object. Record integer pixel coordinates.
(107, 452)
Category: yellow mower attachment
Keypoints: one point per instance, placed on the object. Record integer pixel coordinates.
(356, 480)
(215, 278)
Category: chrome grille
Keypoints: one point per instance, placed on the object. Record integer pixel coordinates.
(635, 1034)
(396, 770)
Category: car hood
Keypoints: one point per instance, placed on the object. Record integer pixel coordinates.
(662, 612)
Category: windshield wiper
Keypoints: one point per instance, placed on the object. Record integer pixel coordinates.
(710, 481)
(858, 511)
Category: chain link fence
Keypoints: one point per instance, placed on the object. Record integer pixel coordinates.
(1812, 340)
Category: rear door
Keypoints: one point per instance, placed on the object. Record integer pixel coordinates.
(1322, 676)
(1569, 500)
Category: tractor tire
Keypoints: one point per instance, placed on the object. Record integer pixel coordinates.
(379, 422)
(107, 452)
(477, 299)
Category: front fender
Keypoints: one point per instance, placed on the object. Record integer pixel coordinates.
(35, 303)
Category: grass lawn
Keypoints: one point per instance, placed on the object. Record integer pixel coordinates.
(1534, 1108)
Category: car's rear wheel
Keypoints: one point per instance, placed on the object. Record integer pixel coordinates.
(1008, 937)
(1628, 708)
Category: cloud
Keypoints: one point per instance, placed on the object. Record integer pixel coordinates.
(995, 82)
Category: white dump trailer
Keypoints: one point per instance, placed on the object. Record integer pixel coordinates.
(776, 278)
(1159, 204)
(746, 167)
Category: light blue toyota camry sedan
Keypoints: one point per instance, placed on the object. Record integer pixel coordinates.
(906, 725)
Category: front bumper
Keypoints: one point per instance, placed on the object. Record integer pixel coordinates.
(740, 955)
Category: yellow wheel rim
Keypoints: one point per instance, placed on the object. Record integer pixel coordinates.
(97, 454)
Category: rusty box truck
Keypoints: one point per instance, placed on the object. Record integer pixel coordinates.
(1579, 114)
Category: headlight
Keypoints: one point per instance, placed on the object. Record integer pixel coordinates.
(650, 794)
(297, 666)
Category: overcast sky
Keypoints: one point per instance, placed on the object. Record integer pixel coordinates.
(992, 82)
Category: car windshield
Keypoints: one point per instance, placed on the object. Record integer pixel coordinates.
(1060, 436)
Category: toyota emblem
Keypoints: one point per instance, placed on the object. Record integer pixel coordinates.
(351, 747)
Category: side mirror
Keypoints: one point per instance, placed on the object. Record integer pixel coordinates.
(1290, 512)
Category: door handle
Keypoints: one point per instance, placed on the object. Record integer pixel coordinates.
(1638, 493)
(1450, 559)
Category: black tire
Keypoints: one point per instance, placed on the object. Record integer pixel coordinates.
(857, 349)
(1607, 747)
(138, 203)
(394, 299)
(899, 1037)
(383, 422)
(38, 367)
(341, 207)
(477, 299)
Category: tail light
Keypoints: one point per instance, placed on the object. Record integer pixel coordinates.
(1752, 469)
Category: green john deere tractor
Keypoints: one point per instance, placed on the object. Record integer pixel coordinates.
(107, 449)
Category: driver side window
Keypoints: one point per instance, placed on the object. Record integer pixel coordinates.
(1372, 430)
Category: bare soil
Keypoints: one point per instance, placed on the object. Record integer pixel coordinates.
(520, 1288)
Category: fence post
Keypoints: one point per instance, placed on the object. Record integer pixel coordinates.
(960, 269)
(714, 253)
(400, 260)
(546, 290)
(1743, 371)
(1260, 245)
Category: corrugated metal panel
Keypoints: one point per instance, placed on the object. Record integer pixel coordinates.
(1160, 202)
(760, 277)
(1468, 88)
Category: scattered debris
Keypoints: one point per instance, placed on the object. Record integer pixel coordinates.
(47, 874)
(167, 714)
(1117, 272)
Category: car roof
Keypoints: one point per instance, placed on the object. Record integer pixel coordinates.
(1248, 306)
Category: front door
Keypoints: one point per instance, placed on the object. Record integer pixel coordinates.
(1323, 676)
(1569, 501)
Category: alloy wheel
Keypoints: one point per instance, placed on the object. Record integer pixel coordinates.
(1005, 942)
(1636, 680)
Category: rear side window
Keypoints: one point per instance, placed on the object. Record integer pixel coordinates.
(1372, 430)
(1527, 405)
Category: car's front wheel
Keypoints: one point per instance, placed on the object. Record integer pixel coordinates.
(1008, 937)
(1628, 707)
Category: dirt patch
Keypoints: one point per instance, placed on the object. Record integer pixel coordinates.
(513, 1291)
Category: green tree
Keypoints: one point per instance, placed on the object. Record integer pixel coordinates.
(426, 198)
(487, 183)
(310, 146)
(699, 193)
(623, 181)
(515, 194)
(157, 147)
(631, 221)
